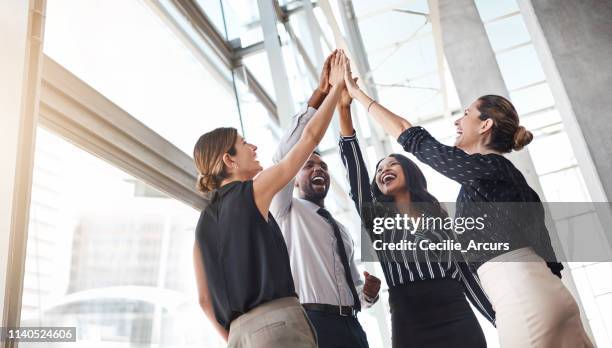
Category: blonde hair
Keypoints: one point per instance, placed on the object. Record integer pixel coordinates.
(208, 157)
(506, 134)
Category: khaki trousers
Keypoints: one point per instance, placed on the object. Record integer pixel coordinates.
(534, 309)
(279, 323)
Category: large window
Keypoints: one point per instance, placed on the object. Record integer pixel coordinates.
(110, 255)
(124, 50)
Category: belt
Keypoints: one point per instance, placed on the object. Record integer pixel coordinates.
(343, 311)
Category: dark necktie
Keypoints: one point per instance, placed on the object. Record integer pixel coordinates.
(342, 252)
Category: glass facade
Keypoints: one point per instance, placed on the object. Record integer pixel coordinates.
(110, 255)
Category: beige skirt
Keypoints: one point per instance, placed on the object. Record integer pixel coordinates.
(280, 323)
(533, 307)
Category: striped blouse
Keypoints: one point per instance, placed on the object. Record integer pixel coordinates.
(405, 267)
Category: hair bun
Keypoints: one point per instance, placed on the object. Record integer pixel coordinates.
(522, 137)
(206, 183)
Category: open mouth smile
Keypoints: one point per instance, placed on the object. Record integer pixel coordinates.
(386, 178)
(318, 180)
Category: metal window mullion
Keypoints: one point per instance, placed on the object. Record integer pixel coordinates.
(22, 190)
(280, 80)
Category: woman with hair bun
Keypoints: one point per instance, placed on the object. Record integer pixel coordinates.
(241, 261)
(533, 307)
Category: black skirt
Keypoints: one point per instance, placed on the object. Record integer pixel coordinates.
(433, 313)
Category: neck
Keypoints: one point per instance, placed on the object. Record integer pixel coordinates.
(403, 202)
(480, 148)
(402, 197)
(232, 179)
(319, 202)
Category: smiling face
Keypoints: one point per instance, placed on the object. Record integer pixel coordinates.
(244, 164)
(471, 130)
(313, 179)
(390, 177)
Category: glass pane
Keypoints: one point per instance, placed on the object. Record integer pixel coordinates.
(520, 67)
(507, 32)
(398, 26)
(259, 128)
(110, 255)
(533, 98)
(403, 60)
(212, 9)
(564, 186)
(260, 68)
(369, 7)
(139, 64)
(492, 9)
(543, 146)
(242, 20)
(415, 99)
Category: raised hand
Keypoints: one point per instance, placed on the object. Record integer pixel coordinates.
(345, 97)
(336, 69)
(351, 83)
(324, 85)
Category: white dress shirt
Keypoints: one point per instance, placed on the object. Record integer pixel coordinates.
(318, 274)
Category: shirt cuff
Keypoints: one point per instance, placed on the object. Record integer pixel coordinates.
(367, 301)
(349, 137)
(303, 116)
(409, 134)
(307, 109)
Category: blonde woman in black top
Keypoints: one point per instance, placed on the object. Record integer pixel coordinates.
(533, 307)
(241, 261)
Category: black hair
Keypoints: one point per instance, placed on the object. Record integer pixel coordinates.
(415, 183)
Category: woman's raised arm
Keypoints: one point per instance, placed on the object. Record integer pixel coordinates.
(272, 179)
(393, 124)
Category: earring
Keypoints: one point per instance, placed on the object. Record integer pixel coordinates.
(234, 165)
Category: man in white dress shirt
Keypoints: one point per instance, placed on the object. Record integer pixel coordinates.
(325, 275)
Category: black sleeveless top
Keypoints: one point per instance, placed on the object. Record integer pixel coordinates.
(245, 257)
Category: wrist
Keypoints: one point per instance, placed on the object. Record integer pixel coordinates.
(370, 299)
(335, 88)
(343, 106)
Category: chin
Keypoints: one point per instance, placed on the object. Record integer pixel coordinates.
(316, 195)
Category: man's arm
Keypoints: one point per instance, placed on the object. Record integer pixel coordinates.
(368, 290)
(281, 203)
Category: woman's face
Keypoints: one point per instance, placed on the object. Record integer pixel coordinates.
(390, 176)
(244, 162)
(469, 128)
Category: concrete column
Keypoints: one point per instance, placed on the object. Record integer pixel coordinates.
(572, 39)
(474, 68)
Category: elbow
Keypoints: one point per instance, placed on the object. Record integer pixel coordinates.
(403, 126)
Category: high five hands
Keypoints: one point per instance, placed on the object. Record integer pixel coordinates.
(351, 83)
(337, 67)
